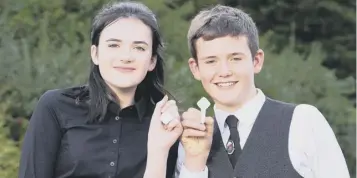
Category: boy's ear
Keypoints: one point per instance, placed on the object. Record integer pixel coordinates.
(258, 61)
(193, 64)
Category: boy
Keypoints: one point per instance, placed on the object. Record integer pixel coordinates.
(253, 135)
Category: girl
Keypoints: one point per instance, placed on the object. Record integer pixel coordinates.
(110, 127)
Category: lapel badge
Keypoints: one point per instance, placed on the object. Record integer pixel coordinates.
(230, 147)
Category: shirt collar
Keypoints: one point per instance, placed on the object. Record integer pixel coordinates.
(246, 114)
(140, 104)
(139, 107)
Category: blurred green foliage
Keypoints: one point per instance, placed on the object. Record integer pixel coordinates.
(46, 45)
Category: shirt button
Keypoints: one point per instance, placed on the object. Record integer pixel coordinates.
(117, 118)
(112, 163)
(115, 141)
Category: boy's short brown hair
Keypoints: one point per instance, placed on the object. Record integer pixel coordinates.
(221, 21)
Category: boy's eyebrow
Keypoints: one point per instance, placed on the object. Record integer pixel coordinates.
(236, 54)
(229, 55)
(209, 57)
(113, 39)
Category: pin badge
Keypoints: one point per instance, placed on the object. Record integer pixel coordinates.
(230, 147)
(203, 104)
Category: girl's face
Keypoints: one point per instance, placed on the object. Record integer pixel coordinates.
(124, 53)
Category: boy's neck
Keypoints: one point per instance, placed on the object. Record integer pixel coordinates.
(239, 104)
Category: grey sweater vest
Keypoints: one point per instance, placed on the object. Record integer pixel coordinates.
(265, 154)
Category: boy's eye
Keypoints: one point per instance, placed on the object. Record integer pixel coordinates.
(113, 45)
(210, 61)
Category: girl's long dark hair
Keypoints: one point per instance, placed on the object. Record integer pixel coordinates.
(152, 86)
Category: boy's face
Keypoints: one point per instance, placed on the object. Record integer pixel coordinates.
(226, 69)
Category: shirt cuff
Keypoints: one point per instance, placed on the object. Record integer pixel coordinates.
(185, 173)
